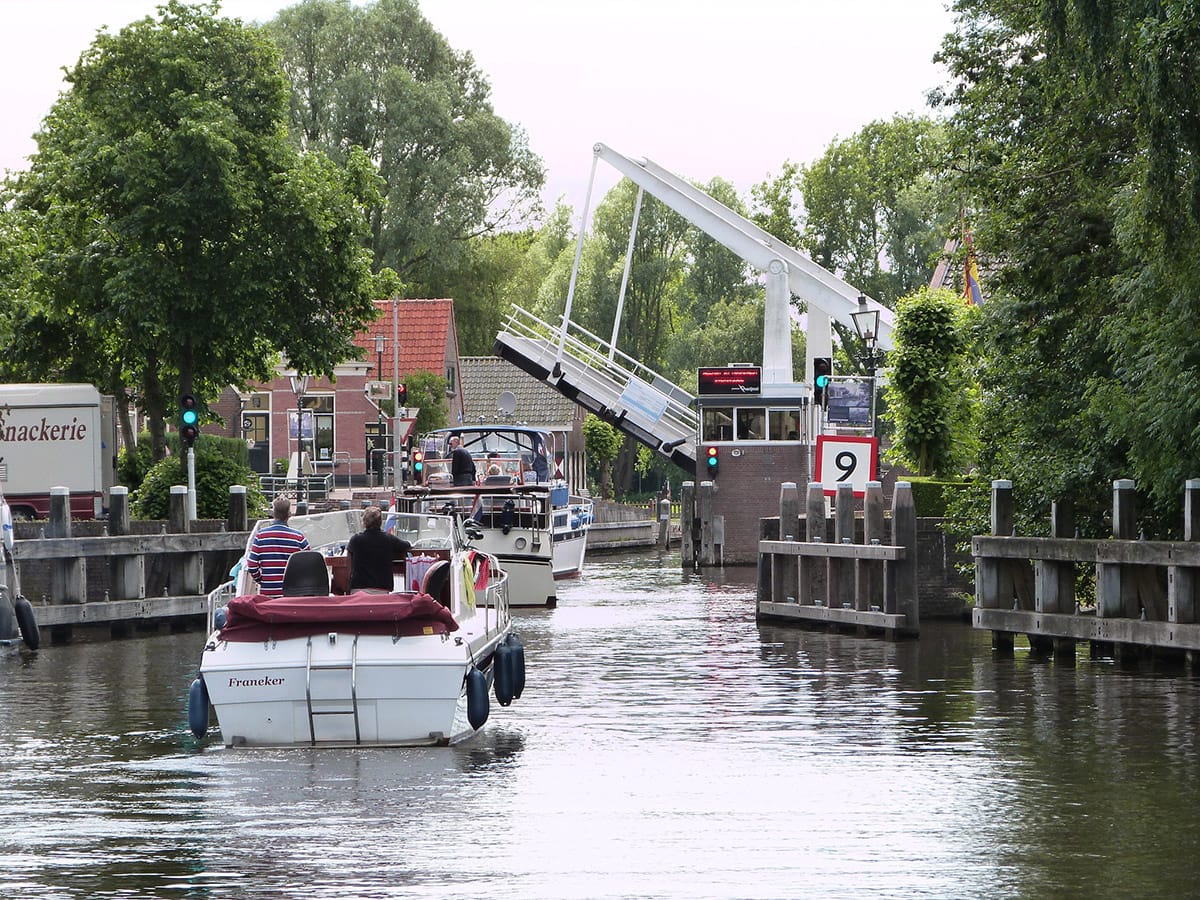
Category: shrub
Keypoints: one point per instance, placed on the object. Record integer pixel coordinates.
(216, 471)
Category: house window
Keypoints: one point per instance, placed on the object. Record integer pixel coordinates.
(320, 444)
(450, 390)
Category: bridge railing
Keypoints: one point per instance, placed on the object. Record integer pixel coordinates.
(617, 369)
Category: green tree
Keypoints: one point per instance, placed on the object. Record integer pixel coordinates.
(180, 242)
(215, 472)
(1046, 156)
(877, 211)
(602, 443)
(427, 390)
(378, 76)
(931, 401)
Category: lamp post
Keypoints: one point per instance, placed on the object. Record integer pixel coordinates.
(866, 323)
(299, 387)
(380, 443)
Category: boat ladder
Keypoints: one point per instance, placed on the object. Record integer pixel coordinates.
(352, 668)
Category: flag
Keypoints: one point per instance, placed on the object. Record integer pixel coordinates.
(971, 292)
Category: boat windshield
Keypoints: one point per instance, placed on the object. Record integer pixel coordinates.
(422, 531)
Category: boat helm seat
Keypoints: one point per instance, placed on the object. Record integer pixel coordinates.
(306, 575)
(436, 582)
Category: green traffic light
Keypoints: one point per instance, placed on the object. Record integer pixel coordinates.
(189, 417)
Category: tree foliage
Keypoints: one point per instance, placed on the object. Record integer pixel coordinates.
(379, 77)
(178, 240)
(930, 399)
(602, 443)
(877, 207)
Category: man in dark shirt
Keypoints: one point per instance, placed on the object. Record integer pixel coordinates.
(371, 552)
(462, 466)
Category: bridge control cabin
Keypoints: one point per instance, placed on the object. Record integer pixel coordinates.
(752, 437)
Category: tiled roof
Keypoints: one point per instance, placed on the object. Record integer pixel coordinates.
(485, 378)
(424, 328)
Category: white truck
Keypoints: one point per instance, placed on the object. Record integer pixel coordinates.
(56, 435)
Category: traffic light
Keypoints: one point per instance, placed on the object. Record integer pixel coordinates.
(189, 420)
(402, 394)
(712, 460)
(822, 370)
(418, 463)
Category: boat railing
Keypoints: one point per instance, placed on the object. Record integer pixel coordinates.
(218, 597)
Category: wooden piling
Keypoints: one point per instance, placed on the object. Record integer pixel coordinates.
(842, 570)
(187, 573)
(904, 570)
(813, 574)
(129, 572)
(68, 577)
(869, 593)
(689, 538)
(1182, 580)
(704, 504)
(239, 513)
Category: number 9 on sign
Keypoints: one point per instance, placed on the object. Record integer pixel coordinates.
(846, 460)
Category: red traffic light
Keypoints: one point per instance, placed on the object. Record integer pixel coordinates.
(712, 459)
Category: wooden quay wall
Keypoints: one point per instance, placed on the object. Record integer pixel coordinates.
(870, 587)
(120, 581)
(1145, 590)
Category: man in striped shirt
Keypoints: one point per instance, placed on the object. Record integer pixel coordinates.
(271, 547)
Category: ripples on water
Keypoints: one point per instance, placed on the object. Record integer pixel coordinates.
(666, 746)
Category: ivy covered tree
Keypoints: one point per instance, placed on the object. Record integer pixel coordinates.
(602, 443)
(931, 399)
(176, 241)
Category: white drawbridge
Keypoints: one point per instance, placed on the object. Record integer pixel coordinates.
(590, 370)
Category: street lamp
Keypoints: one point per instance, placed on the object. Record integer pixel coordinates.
(379, 444)
(299, 388)
(866, 323)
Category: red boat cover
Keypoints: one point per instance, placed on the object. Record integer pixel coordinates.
(261, 618)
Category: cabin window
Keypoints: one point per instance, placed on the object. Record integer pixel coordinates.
(751, 423)
(784, 424)
(717, 424)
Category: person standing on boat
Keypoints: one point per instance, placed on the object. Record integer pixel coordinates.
(271, 547)
(371, 553)
(462, 466)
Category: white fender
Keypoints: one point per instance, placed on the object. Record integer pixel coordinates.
(6, 523)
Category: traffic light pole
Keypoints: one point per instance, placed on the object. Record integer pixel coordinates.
(191, 472)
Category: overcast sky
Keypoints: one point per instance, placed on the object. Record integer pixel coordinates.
(702, 87)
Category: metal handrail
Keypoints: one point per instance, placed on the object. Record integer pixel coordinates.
(596, 358)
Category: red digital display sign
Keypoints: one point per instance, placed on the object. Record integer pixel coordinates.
(730, 380)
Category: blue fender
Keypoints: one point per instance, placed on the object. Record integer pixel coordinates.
(27, 622)
(502, 674)
(477, 698)
(198, 708)
(518, 656)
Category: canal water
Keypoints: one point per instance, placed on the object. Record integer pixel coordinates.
(666, 746)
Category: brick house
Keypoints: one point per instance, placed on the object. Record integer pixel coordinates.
(339, 419)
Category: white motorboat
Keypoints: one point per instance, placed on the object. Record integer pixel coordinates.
(321, 666)
(530, 520)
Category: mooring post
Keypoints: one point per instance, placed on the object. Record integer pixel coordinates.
(904, 534)
(187, 575)
(870, 573)
(1054, 581)
(1116, 592)
(842, 571)
(814, 578)
(785, 570)
(993, 579)
(664, 523)
(129, 572)
(1181, 580)
(68, 577)
(688, 524)
(239, 514)
(708, 549)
